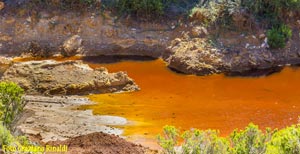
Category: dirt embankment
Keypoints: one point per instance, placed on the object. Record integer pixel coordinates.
(50, 32)
(45, 32)
(102, 143)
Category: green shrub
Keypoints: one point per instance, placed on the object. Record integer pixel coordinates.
(206, 15)
(285, 141)
(277, 37)
(213, 11)
(63, 4)
(11, 102)
(197, 141)
(251, 140)
(78, 3)
(168, 140)
(5, 137)
(271, 11)
(142, 8)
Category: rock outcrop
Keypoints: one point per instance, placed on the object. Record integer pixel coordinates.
(4, 64)
(250, 57)
(49, 77)
(1, 5)
(72, 46)
(193, 56)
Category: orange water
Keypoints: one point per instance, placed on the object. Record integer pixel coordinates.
(186, 101)
(215, 102)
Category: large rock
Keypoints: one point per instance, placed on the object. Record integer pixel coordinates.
(49, 77)
(72, 46)
(5, 61)
(1, 5)
(4, 64)
(193, 56)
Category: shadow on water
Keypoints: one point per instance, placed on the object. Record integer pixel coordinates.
(250, 73)
(115, 59)
(255, 72)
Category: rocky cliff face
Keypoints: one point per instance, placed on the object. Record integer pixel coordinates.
(48, 32)
(233, 54)
(66, 78)
(45, 33)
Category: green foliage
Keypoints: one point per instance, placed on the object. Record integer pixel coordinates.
(261, 7)
(277, 36)
(251, 140)
(11, 102)
(6, 138)
(271, 11)
(142, 8)
(78, 3)
(169, 139)
(197, 141)
(213, 11)
(64, 4)
(285, 141)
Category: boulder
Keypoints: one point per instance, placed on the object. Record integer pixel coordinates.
(72, 46)
(5, 61)
(4, 64)
(50, 77)
(193, 56)
(1, 5)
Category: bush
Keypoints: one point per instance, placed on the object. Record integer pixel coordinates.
(197, 141)
(213, 11)
(11, 102)
(271, 11)
(285, 141)
(142, 8)
(168, 140)
(6, 138)
(277, 37)
(64, 4)
(77, 3)
(251, 140)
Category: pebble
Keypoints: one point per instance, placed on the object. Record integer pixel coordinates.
(262, 36)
